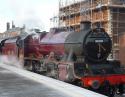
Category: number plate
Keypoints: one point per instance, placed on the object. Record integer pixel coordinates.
(99, 41)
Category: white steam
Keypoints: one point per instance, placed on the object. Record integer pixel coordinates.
(11, 60)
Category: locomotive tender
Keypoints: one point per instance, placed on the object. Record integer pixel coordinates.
(81, 57)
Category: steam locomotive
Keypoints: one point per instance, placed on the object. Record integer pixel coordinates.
(81, 57)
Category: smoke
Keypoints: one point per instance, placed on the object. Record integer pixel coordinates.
(11, 60)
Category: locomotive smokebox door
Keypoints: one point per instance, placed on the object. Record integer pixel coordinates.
(97, 45)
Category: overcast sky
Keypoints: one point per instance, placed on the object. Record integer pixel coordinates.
(33, 13)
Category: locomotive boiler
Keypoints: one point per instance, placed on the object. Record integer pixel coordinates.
(79, 58)
(94, 45)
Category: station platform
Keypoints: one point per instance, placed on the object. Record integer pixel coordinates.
(16, 82)
(13, 85)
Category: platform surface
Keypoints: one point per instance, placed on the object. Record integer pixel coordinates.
(14, 85)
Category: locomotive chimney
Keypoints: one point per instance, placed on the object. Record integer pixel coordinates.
(8, 25)
(85, 25)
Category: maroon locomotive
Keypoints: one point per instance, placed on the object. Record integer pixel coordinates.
(79, 57)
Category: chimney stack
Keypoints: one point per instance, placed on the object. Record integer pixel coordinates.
(8, 25)
(13, 26)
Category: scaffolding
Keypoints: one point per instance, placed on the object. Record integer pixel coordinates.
(108, 13)
(69, 12)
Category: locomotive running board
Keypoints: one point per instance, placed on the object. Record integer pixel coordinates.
(71, 90)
